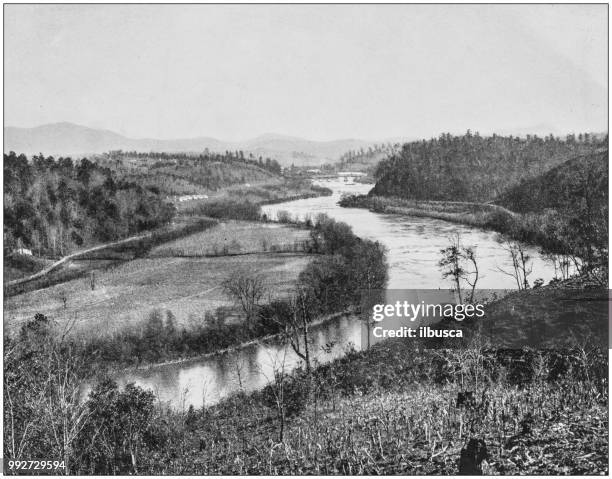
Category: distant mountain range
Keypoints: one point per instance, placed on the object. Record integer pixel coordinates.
(74, 140)
(68, 139)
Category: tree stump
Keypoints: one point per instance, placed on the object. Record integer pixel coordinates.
(472, 456)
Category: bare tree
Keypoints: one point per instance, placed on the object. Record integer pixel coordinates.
(471, 277)
(297, 323)
(453, 264)
(246, 290)
(66, 414)
(277, 387)
(521, 264)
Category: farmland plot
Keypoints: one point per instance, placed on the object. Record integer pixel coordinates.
(236, 237)
(123, 296)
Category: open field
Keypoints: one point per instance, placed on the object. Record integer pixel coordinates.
(235, 237)
(125, 295)
(83, 261)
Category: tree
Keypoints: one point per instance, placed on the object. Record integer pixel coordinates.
(117, 427)
(297, 322)
(43, 411)
(521, 264)
(453, 264)
(246, 290)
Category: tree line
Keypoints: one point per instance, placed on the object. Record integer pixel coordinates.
(206, 156)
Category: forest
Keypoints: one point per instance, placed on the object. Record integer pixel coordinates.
(53, 206)
(472, 167)
(182, 173)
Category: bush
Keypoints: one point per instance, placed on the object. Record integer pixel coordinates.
(289, 392)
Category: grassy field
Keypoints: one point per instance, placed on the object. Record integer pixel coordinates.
(126, 294)
(235, 237)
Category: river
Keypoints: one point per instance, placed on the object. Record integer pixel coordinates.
(414, 246)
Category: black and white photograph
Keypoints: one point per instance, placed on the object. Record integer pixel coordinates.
(289, 239)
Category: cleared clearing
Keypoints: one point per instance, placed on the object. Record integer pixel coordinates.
(125, 295)
(235, 237)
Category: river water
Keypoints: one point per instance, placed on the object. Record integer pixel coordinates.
(414, 246)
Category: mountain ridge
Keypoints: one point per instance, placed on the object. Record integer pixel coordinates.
(65, 138)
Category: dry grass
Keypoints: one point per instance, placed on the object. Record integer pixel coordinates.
(420, 431)
(235, 237)
(124, 295)
(411, 423)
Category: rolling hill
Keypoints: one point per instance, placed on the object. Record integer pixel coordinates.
(474, 168)
(558, 187)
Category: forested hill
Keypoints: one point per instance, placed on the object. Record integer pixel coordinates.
(53, 206)
(472, 167)
(182, 173)
(585, 176)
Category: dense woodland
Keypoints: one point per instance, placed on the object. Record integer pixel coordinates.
(585, 177)
(53, 206)
(472, 167)
(569, 205)
(182, 173)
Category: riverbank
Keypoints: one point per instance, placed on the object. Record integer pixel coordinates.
(527, 228)
(472, 214)
(395, 410)
(229, 349)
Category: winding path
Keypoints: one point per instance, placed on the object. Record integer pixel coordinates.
(75, 255)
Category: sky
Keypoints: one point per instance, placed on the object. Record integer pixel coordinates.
(316, 71)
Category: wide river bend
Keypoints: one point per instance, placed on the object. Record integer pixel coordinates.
(414, 246)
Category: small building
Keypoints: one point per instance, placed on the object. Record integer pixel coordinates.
(24, 251)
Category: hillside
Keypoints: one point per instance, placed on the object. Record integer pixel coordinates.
(70, 139)
(473, 168)
(556, 188)
(183, 174)
(54, 206)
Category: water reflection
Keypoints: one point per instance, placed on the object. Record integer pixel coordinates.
(207, 380)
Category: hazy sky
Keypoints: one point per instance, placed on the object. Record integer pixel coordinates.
(317, 71)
